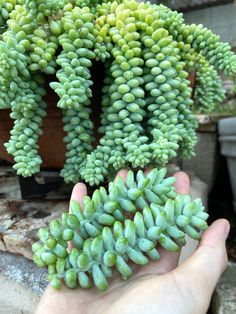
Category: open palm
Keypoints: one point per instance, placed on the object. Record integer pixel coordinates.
(159, 287)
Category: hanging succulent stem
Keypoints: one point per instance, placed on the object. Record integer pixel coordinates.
(73, 87)
(208, 91)
(116, 226)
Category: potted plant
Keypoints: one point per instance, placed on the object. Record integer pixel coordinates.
(147, 119)
(144, 121)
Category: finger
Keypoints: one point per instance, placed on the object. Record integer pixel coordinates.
(203, 269)
(182, 183)
(123, 174)
(78, 193)
(169, 259)
(147, 170)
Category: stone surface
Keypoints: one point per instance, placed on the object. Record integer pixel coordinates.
(20, 221)
(9, 183)
(21, 284)
(224, 297)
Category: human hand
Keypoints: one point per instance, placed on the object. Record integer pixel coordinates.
(159, 287)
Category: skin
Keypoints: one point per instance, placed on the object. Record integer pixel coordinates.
(159, 287)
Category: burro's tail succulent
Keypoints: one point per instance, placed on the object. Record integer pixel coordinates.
(147, 107)
(115, 227)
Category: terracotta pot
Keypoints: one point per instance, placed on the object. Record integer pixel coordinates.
(52, 148)
(192, 79)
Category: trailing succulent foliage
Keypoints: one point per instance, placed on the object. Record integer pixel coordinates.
(209, 92)
(147, 107)
(115, 227)
(6, 7)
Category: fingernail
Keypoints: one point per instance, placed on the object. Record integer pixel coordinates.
(227, 228)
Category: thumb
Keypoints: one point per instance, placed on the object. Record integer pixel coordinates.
(204, 268)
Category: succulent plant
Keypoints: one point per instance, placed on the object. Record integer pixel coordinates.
(115, 227)
(147, 108)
